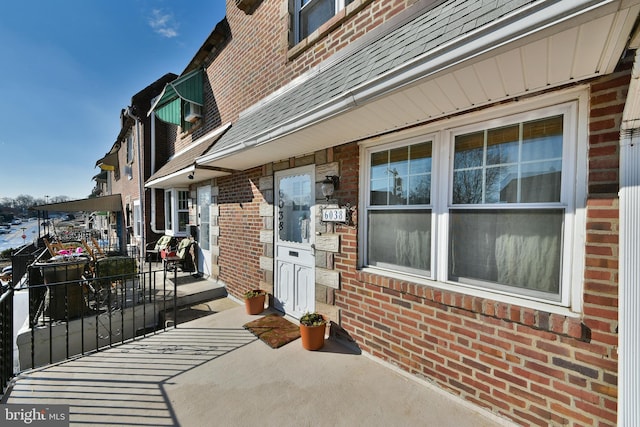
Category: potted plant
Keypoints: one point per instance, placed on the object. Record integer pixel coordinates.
(254, 301)
(312, 330)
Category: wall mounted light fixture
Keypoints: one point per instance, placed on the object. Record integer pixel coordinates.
(329, 185)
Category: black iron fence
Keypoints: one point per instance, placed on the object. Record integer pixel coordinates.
(6, 338)
(20, 260)
(77, 307)
(70, 305)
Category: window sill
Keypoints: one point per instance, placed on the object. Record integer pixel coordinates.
(342, 15)
(535, 314)
(475, 292)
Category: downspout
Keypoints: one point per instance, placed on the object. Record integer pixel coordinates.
(140, 182)
(629, 269)
(153, 170)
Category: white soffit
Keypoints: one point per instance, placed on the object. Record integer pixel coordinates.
(181, 178)
(589, 45)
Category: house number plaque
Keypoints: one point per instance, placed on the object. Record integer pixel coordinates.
(334, 215)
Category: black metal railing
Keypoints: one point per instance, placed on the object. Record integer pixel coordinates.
(78, 305)
(20, 260)
(6, 338)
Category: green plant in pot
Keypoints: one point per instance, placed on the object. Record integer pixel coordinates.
(254, 301)
(312, 330)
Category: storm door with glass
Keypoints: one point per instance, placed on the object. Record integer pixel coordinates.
(294, 287)
(204, 238)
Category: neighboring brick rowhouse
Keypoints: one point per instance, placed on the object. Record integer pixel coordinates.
(534, 367)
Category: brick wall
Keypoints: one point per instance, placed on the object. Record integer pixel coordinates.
(257, 59)
(246, 226)
(533, 367)
(240, 223)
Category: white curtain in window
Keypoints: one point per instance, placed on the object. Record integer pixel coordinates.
(527, 256)
(515, 248)
(411, 248)
(400, 239)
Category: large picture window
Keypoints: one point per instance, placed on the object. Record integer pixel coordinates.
(496, 215)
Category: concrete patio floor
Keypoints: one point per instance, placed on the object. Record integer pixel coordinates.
(212, 372)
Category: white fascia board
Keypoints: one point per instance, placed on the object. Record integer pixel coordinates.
(203, 139)
(294, 124)
(158, 182)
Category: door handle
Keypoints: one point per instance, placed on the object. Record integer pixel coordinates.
(313, 249)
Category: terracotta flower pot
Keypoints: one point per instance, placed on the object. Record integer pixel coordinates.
(312, 336)
(255, 305)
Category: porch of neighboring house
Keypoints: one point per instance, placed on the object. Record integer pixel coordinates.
(66, 302)
(211, 371)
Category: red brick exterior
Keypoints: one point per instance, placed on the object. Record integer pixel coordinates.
(259, 59)
(533, 367)
(240, 224)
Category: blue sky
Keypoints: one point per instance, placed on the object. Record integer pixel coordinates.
(67, 68)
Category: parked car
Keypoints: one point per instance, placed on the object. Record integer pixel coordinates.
(16, 221)
(4, 230)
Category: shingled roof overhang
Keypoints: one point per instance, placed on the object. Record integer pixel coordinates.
(175, 173)
(432, 61)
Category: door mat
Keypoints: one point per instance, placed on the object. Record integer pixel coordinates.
(274, 330)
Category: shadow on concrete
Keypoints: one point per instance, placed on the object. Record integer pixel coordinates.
(130, 377)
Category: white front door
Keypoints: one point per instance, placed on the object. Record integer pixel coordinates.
(294, 288)
(204, 238)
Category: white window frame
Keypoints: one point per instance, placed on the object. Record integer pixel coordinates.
(137, 218)
(379, 208)
(172, 211)
(300, 5)
(574, 104)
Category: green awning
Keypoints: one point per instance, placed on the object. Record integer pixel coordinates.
(169, 104)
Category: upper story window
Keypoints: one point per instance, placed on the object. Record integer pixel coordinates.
(486, 208)
(130, 148)
(309, 15)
